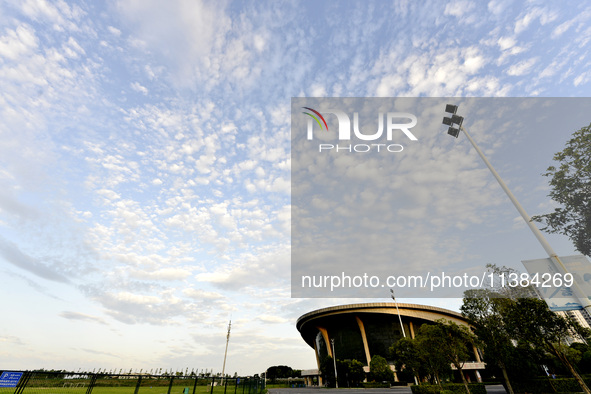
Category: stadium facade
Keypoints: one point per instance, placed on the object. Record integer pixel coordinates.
(361, 331)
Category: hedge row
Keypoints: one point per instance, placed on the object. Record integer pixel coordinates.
(448, 388)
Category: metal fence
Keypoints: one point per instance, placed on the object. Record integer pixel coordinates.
(43, 382)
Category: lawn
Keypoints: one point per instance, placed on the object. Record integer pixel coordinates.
(178, 387)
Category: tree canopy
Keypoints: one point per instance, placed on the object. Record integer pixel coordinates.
(502, 319)
(407, 357)
(484, 309)
(436, 347)
(379, 370)
(350, 373)
(571, 188)
(327, 370)
(281, 371)
(530, 320)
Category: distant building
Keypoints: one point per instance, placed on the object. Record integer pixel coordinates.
(361, 331)
(310, 376)
(582, 317)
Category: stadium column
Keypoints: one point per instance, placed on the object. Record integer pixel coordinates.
(478, 360)
(324, 333)
(364, 339)
(476, 354)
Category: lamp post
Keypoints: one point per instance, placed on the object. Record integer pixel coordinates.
(400, 320)
(455, 120)
(398, 311)
(334, 359)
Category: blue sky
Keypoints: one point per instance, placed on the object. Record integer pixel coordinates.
(145, 159)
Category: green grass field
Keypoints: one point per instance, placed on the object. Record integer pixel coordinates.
(177, 388)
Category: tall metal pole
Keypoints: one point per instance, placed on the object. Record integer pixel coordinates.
(226, 352)
(583, 299)
(398, 311)
(400, 320)
(334, 359)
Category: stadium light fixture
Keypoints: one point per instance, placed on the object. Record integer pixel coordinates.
(453, 132)
(453, 120)
(450, 108)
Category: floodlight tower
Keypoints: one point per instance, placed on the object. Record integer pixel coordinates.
(454, 122)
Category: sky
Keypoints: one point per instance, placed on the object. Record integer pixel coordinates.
(145, 162)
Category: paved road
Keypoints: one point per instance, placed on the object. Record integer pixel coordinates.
(319, 390)
(496, 389)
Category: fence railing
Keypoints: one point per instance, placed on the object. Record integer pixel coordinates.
(44, 382)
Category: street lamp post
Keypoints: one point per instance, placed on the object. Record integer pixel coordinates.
(334, 359)
(400, 320)
(456, 120)
(398, 311)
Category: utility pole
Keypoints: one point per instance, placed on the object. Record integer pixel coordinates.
(226, 352)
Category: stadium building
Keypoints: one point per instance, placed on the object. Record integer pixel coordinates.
(361, 331)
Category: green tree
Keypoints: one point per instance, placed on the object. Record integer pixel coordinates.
(356, 373)
(530, 320)
(433, 359)
(422, 356)
(571, 188)
(448, 341)
(327, 370)
(350, 373)
(406, 357)
(585, 363)
(280, 371)
(379, 370)
(483, 308)
(343, 373)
